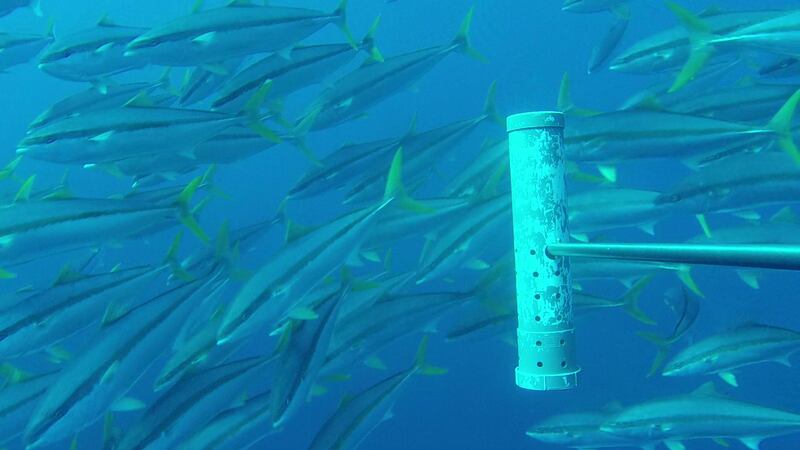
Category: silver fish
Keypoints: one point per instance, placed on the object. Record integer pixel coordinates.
(238, 29)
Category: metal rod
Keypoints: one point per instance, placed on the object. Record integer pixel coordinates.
(757, 256)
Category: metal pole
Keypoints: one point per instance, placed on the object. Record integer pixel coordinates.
(545, 333)
(759, 256)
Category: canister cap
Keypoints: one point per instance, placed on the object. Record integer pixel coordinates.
(536, 119)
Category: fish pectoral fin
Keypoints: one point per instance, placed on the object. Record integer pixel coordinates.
(751, 442)
(104, 48)
(6, 275)
(648, 228)
(729, 378)
(317, 390)
(109, 373)
(205, 38)
(102, 137)
(784, 360)
(476, 264)
(374, 362)
(674, 445)
(749, 277)
(721, 442)
(128, 404)
(303, 313)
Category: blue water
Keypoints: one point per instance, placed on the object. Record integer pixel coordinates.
(529, 45)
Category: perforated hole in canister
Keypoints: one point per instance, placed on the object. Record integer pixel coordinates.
(533, 252)
(562, 342)
(559, 317)
(537, 296)
(539, 364)
(563, 364)
(558, 294)
(538, 343)
(557, 273)
(537, 318)
(535, 274)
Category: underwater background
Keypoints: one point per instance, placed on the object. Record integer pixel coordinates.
(528, 46)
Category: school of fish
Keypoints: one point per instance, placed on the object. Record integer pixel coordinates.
(160, 355)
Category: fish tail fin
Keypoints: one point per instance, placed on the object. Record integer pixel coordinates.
(462, 41)
(395, 189)
(252, 111)
(8, 171)
(341, 20)
(13, 374)
(50, 31)
(685, 275)
(299, 142)
(661, 354)
(207, 183)
(306, 124)
(490, 105)
(165, 82)
(186, 215)
(171, 259)
(223, 242)
(701, 48)
(24, 192)
(368, 43)
(421, 365)
(36, 6)
(781, 124)
(631, 301)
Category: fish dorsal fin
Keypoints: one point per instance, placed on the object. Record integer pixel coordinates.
(7, 171)
(650, 103)
(785, 215)
(241, 3)
(106, 22)
(295, 231)
(24, 192)
(346, 398)
(223, 240)
(489, 189)
(412, 128)
(711, 11)
(197, 7)
(113, 312)
(62, 192)
(746, 82)
(218, 313)
(67, 275)
(142, 100)
(706, 390)
(612, 407)
(749, 325)
(285, 337)
(394, 187)
(565, 103)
